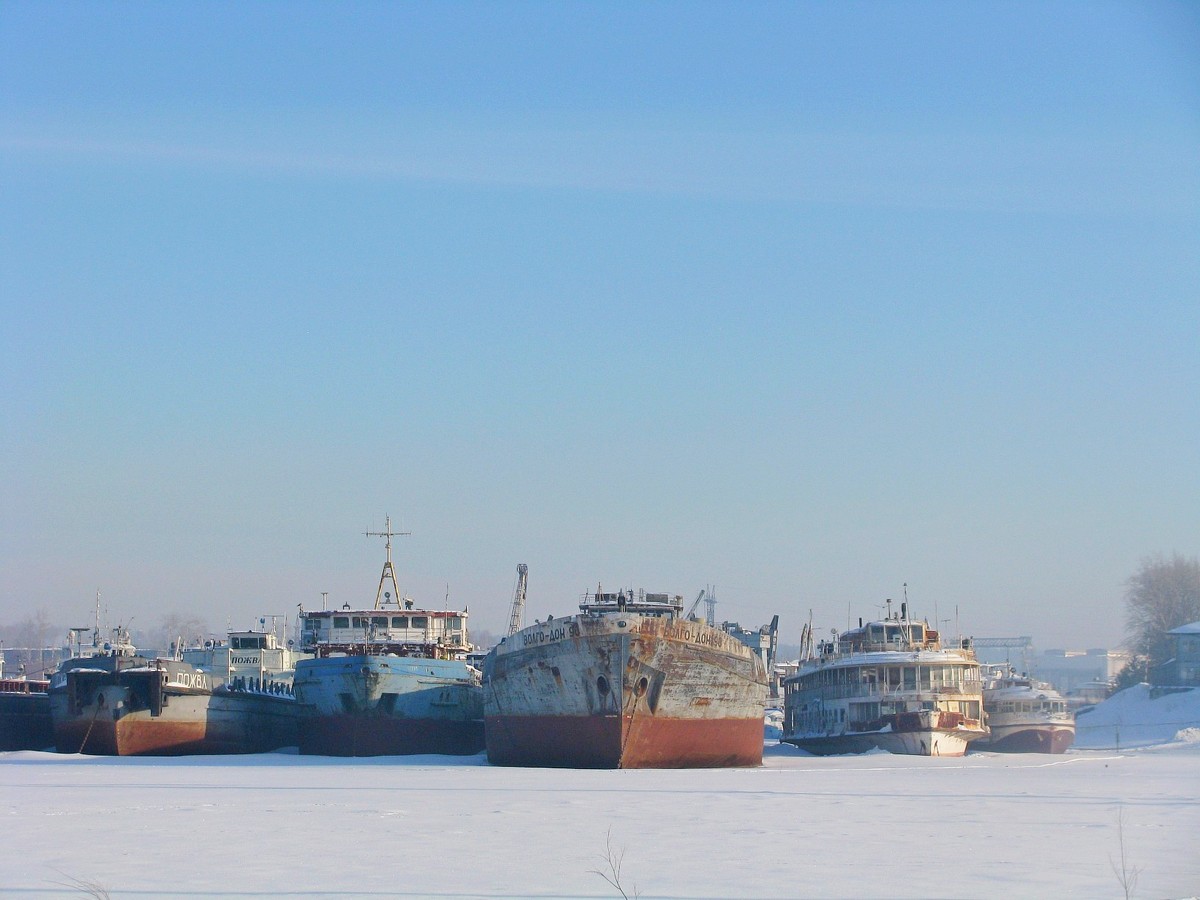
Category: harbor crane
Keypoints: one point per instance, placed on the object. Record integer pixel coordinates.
(516, 620)
(709, 596)
(1024, 644)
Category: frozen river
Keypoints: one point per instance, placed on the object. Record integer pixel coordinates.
(281, 825)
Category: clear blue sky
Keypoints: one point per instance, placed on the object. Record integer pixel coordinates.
(805, 301)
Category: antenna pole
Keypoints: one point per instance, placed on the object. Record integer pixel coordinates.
(389, 570)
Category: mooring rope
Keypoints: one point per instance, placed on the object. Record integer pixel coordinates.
(87, 734)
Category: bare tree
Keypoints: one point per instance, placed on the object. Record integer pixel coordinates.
(83, 886)
(1126, 874)
(190, 629)
(33, 635)
(33, 631)
(1164, 594)
(613, 859)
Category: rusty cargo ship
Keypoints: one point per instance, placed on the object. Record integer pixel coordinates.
(628, 682)
(233, 698)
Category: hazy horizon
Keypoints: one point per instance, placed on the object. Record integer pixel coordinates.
(805, 301)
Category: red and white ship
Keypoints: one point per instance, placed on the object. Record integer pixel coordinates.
(1025, 716)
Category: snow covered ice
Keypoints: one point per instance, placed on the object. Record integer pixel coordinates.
(876, 825)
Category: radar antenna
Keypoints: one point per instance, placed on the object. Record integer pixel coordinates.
(516, 620)
(389, 571)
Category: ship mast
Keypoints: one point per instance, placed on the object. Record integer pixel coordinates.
(389, 570)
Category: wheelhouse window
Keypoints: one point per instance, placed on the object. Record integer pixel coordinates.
(341, 621)
(399, 621)
(420, 621)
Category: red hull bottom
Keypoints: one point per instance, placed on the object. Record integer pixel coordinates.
(226, 725)
(1032, 740)
(129, 737)
(612, 742)
(386, 736)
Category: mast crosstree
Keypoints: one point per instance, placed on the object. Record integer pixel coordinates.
(389, 571)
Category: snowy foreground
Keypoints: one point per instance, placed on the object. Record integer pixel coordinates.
(282, 825)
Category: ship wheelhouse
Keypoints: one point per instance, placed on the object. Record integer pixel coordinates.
(641, 603)
(404, 631)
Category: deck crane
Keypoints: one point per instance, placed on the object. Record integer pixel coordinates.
(516, 620)
(709, 596)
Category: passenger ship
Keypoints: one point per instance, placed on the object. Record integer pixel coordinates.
(889, 685)
(392, 679)
(1025, 716)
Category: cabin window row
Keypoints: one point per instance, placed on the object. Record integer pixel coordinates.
(385, 622)
(882, 679)
(1028, 706)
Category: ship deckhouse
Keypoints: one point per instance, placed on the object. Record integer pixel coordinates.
(402, 630)
(655, 606)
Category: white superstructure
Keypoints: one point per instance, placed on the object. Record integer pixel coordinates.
(890, 685)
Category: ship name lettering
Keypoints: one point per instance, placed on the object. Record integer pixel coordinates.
(193, 680)
(244, 660)
(704, 637)
(557, 633)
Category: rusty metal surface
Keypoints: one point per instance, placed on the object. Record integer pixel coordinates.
(619, 742)
(131, 714)
(130, 736)
(623, 691)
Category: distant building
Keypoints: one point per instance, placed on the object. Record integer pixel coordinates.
(1080, 672)
(1183, 668)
